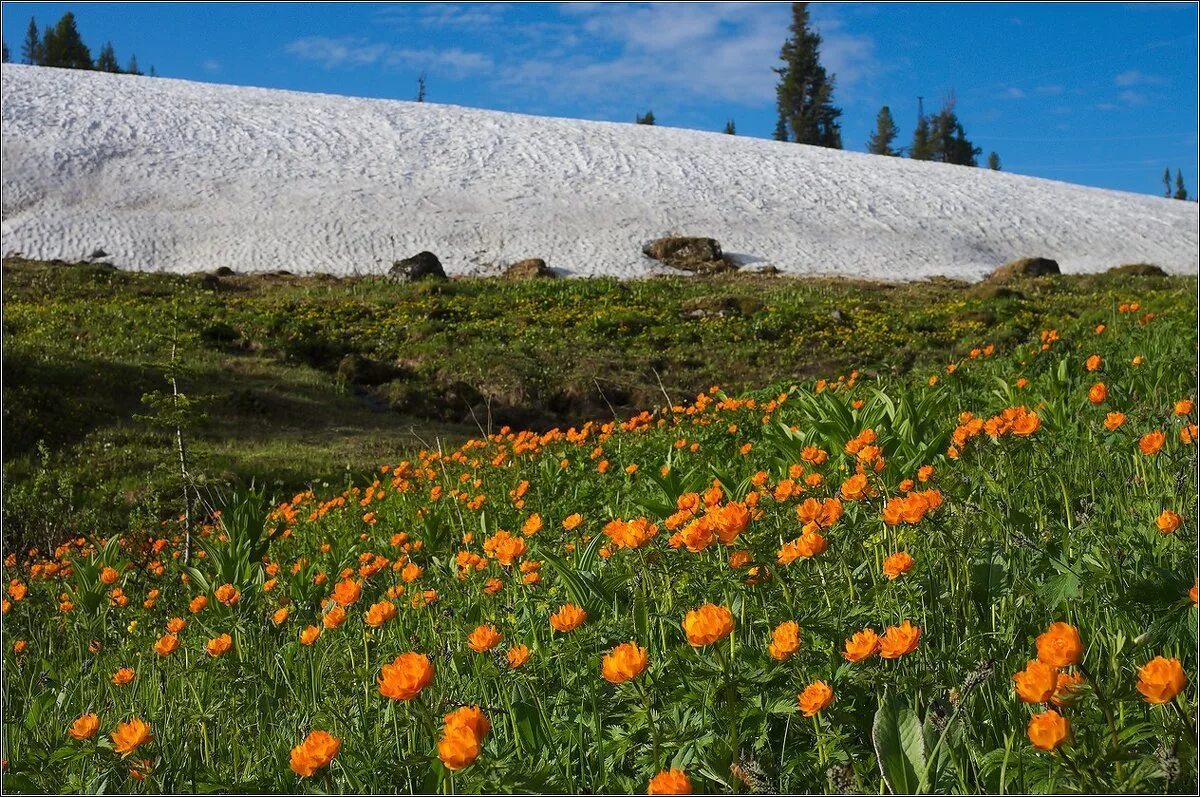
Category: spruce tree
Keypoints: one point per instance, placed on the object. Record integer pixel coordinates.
(5, 51)
(1180, 188)
(647, 119)
(993, 161)
(132, 69)
(1167, 182)
(107, 60)
(421, 88)
(880, 142)
(947, 141)
(922, 148)
(805, 92)
(780, 129)
(65, 48)
(730, 130)
(31, 50)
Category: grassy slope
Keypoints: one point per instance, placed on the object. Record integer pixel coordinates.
(284, 407)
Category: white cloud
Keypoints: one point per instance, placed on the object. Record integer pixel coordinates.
(351, 51)
(1135, 78)
(1013, 93)
(345, 51)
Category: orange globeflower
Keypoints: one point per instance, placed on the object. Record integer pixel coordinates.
(1159, 680)
(730, 521)
(571, 522)
(815, 697)
(899, 640)
(309, 635)
(1094, 362)
(411, 572)
(504, 547)
(129, 736)
(517, 656)
(84, 728)
(1098, 393)
(123, 676)
(228, 594)
(861, 646)
(568, 618)
(1114, 420)
(405, 677)
(198, 604)
(1048, 730)
(315, 752)
(1066, 690)
(708, 624)
(166, 645)
(1037, 683)
(811, 543)
(1060, 645)
(623, 663)
(334, 617)
(1184, 407)
(1152, 443)
(897, 565)
(670, 781)
(462, 740)
(219, 646)
(380, 613)
(484, 638)
(108, 575)
(280, 615)
(785, 640)
(175, 625)
(347, 592)
(1194, 593)
(1168, 522)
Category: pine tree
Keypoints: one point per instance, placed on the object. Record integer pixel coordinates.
(5, 51)
(132, 69)
(107, 60)
(730, 130)
(31, 50)
(421, 88)
(922, 147)
(880, 142)
(947, 141)
(647, 119)
(993, 161)
(805, 92)
(1180, 188)
(1167, 183)
(64, 47)
(780, 129)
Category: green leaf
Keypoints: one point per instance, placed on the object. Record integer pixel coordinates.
(899, 745)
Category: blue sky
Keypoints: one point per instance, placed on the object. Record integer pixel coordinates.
(1101, 94)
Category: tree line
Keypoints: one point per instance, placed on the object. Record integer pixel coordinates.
(61, 45)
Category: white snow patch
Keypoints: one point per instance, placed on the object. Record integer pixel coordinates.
(182, 176)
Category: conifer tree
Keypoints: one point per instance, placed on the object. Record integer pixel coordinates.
(993, 161)
(64, 47)
(780, 130)
(730, 130)
(31, 50)
(1180, 188)
(805, 92)
(107, 60)
(922, 148)
(880, 142)
(646, 119)
(132, 69)
(5, 51)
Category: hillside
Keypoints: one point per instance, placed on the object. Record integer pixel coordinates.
(181, 176)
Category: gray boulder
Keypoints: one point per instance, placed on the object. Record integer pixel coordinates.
(700, 255)
(417, 267)
(530, 268)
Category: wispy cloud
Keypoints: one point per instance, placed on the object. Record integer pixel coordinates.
(1013, 93)
(1135, 78)
(350, 52)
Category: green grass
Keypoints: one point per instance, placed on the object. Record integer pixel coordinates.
(267, 358)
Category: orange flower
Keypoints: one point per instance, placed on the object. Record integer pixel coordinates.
(1066, 690)
(1048, 730)
(228, 594)
(1168, 522)
(1060, 645)
(897, 565)
(462, 739)
(730, 521)
(492, 586)
(198, 604)
(166, 645)
(411, 572)
(129, 736)
(347, 592)
(123, 676)
(504, 547)
(670, 781)
(739, 559)
(309, 635)
(708, 624)
(854, 488)
(471, 718)
(815, 697)
(1184, 407)
(517, 656)
(1098, 393)
(175, 625)
(484, 638)
(1152, 443)
(380, 613)
(785, 640)
(623, 663)
(571, 522)
(899, 640)
(314, 753)
(1094, 362)
(85, 727)
(1159, 680)
(568, 618)
(334, 617)
(405, 677)
(1194, 593)
(280, 616)
(108, 575)
(1114, 420)
(630, 533)
(219, 646)
(1037, 683)
(861, 646)
(810, 543)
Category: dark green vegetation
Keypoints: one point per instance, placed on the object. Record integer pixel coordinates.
(296, 381)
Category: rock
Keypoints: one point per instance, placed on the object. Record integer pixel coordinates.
(97, 253)
(720, 307)
(417, 267)
(1026, 267)
(700, 255)
(224, 271)
(1138, 270)
(530, 268)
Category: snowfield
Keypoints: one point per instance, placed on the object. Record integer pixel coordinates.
(181, 176)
